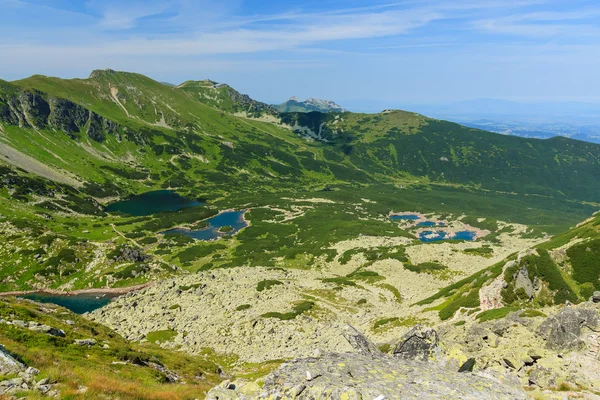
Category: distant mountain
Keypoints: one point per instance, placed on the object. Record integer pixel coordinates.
(587, 133)
(310, 104)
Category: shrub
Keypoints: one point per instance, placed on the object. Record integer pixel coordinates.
(267, 284)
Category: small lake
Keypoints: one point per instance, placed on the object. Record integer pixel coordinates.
(151, 203)
(407, 217)
(78, 303)
(434, 236)
(233, 219)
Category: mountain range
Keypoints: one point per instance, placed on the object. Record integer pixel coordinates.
(254, 233)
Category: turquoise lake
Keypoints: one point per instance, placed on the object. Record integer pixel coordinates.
(151, 203)
(409, 217)
(234, 219)
(79, 303)
(434, 236)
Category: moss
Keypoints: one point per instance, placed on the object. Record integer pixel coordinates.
(531, 313)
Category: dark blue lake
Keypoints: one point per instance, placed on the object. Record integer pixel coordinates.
(434, 236)
(409, 217)
(78, 303)
(427, 223)
(233, 219)
(151, 203)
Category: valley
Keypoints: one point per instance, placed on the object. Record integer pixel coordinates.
(261, 234)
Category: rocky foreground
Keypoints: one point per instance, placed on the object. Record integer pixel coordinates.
(409, 373)
(513, 358)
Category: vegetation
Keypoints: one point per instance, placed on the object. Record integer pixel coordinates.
(121, 368)
(267, 284)
(299, 309)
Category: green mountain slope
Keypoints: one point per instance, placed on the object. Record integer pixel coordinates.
(67, 147)
(561, 270)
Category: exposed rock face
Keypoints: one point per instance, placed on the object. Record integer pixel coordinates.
(21, 377)
(420, 343)
(359, 342)
(131, 254)
(361, 376)
(32, 109)
(522, 281)
(563, 330)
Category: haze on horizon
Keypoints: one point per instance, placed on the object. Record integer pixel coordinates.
(365, 55)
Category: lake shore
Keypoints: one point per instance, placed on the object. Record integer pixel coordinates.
(115, 291)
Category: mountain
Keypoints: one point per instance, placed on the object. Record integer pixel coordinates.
(310, 104)
(210, 207)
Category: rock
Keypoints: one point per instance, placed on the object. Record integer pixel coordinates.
(542, 377)
(562, 330)
(359, 342)
(48, 329)
(419, 344)
(19, 323)
(522, 281)
(9, 364)
(596, 297)
(361, 376)
(467, 366)
(85, 342)
(32, 371)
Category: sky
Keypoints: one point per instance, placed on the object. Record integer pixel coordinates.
(365, 55)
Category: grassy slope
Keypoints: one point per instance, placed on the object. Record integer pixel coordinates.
(119, 369)
(566, 265)
(181, 137)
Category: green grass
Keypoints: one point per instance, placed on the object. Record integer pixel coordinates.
(299, 309)
(161, 336)
(495, 313)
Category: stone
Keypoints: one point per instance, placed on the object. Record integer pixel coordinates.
(48, 330)
(562, 330)
(522, 281)
(359, 342)
(467, 366)
(85, 342)
(419, 343)
(32, 371)
(596, 297)
(9, 364)
(542, 377)
(380, 377)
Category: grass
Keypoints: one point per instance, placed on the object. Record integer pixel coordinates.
(495, 313)
(299, 309)
(120, 370)
(161, 336)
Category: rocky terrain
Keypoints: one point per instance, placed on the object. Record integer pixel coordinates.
(556, 358)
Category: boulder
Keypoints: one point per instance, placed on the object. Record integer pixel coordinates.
(419, 343)
(562, 331)
(359, 342)
(85, 342)
(47, 329)
(361, 376)
(596, 297)
(9, 364)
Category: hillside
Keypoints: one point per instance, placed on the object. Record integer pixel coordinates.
(265, 232)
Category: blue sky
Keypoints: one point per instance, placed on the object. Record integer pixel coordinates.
(365, 55)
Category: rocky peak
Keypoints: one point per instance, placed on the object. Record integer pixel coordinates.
(97, 73)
